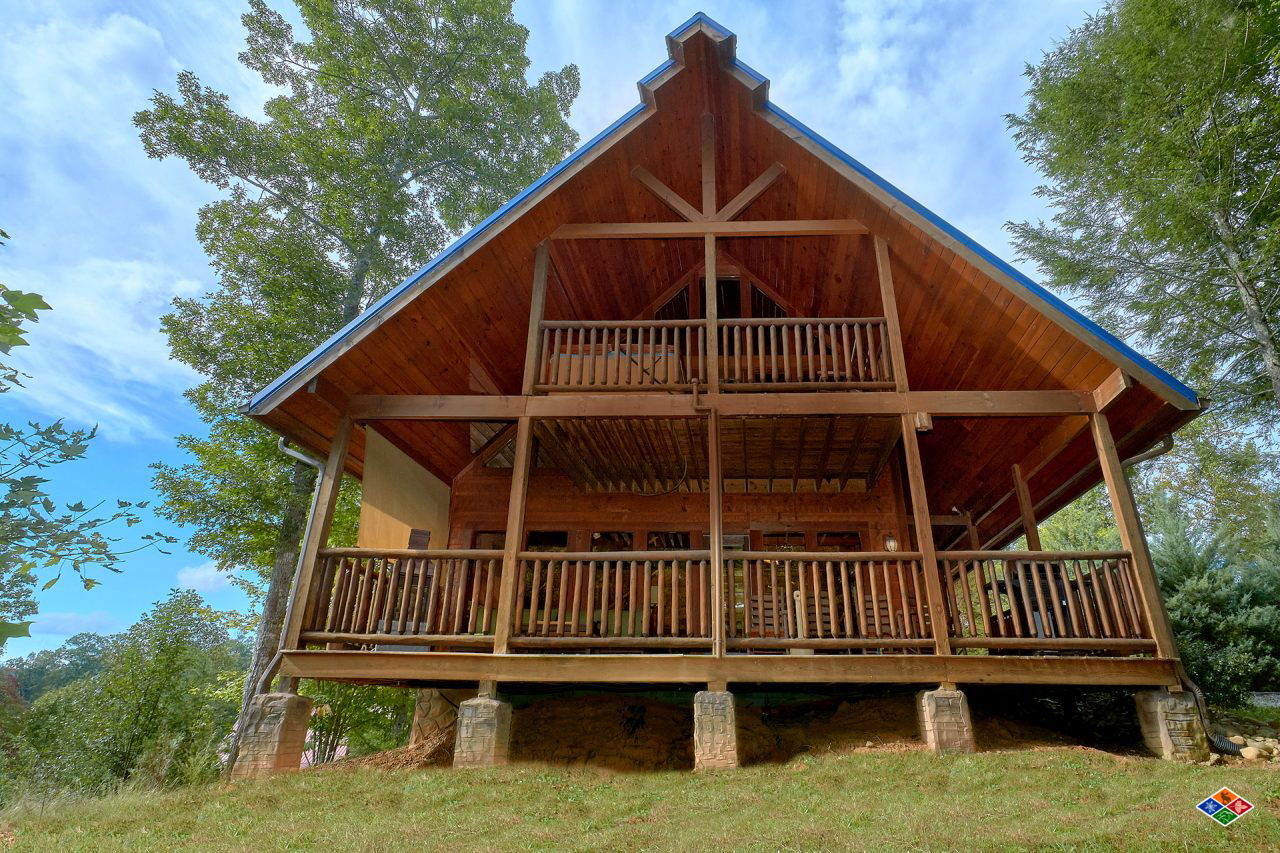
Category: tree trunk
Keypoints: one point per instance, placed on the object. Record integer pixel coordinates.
(276, 603)
(1252, 308)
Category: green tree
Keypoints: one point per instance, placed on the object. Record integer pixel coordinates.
(154, 710)
(1157, 126)
(35, 533)
(39, 672)
(401, 122)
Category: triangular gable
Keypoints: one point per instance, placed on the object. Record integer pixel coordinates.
(885, 193)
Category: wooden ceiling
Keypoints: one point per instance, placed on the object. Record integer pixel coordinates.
(962, 329)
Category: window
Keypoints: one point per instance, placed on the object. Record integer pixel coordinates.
(489, 540)
(661, 540)
(786, 540)
(611, 541)
(547, 540)
(839, 540)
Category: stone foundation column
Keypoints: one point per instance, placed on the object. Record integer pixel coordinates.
(484, 733)
(274, 736)
(944, 720)
(715, 730)
(435, 714)
(1171, 725)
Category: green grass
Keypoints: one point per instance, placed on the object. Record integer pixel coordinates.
(1059, 798)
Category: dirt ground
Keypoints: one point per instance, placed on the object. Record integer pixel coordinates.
(639, 733)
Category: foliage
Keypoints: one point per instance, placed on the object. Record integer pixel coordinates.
(79, 657)
(1223, 602)
(35, 533)
(154, 713)
(1157, 126)
(364, 719)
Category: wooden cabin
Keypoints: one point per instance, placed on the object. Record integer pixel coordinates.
(712, 403)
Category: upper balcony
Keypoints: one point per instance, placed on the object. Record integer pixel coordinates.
(753, 354)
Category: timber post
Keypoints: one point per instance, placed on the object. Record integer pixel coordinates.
(1027, 509)
(523, 463)
(1132, 537)
(300, 602)
(719, 602)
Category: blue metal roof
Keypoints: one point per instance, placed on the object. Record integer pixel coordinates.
(701, 20)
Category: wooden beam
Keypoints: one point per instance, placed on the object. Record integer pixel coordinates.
(715, 490)
(937, 403)
(1132, 537)
(537, 300)
(491, 448)
(712, 304)
(889, 303)
(737, 228)
(514, 542)
(1027, 509)
(752, 192)
(492, 407)
(439, 667)
(1111, 389)
(708, 165)
(666, 195)
(924, 537)
(317, 534)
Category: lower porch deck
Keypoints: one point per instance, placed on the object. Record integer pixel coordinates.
(430, 617)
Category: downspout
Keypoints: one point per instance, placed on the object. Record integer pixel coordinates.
(1219, 743)
(283, 446)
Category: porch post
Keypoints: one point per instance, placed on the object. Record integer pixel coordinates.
(1132, 537)
(1027, 509)
(710, 298)
(924, 537)
(523, 458)
(537, 303)
(719, 605)
(317, 533)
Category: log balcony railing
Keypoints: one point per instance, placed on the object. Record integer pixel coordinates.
(849, 353)
(995, 601)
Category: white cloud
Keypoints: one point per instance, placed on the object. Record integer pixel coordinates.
(59, 623)
(99, 356)
(203, 578)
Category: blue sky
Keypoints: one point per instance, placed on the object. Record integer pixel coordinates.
(916, 90)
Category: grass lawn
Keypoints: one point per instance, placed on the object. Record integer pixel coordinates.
(1060, 798)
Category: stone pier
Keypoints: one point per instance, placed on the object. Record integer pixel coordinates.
(484, 732)
(944, 719)
(435, 714)
(274, 736)
(715, 730)
(1171, 725)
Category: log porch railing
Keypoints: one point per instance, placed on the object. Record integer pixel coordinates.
(827, 601)
(996, 601)
(633, 599)
(849, 353)
(377, 596)
(1044, 601)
